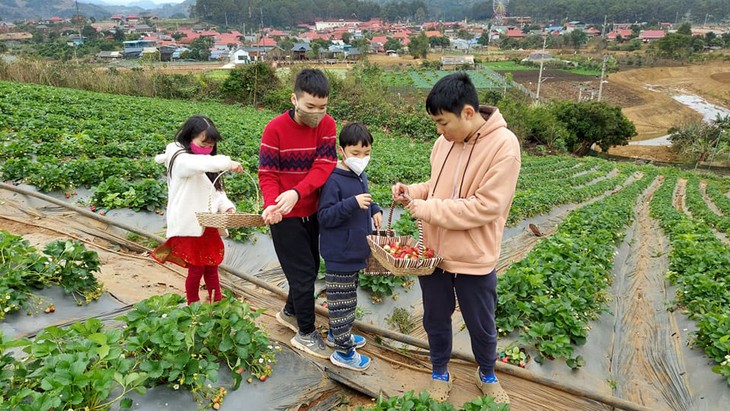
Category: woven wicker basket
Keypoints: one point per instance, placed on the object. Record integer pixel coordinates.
(399, 266)
(230, 220)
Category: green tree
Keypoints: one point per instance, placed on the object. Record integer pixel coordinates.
(418, 47)
(701, 141)
(393, 44)
(346, 37)
(593, 122)
(200, 48)
(685, 28)
(249, 83)
(89, 32)
(578, 38)
(674, 45)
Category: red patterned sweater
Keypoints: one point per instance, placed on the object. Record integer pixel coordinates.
(293, 156)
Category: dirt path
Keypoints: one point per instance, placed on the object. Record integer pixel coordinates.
(679, 192)
(646, 360)
(707, 199)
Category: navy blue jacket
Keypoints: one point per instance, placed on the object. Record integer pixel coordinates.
(343, 225)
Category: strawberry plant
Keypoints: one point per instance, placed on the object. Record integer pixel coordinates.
(72, 267)
(514, 355)
(384, 285)
(80, 367)
(411, 401)
(185, 346)
(698, 266)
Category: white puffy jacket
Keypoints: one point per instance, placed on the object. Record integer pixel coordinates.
(189, 189)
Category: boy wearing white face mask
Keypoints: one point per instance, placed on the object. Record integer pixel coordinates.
(346, 216)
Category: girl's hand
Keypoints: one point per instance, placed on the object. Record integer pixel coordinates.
(231, 210)
(236, 167)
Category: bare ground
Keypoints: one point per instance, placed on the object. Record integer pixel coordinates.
(646, 360)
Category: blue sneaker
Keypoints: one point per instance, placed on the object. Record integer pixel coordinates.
(354, 361)
(358, 340)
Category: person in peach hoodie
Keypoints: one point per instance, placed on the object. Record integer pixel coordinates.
(464, 206)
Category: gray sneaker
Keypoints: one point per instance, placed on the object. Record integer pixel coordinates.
(312, 344)
(287, 320)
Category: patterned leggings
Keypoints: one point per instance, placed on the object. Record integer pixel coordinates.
(342, 301)
(212, 283)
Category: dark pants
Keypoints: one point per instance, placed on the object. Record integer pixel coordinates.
(477, 295)
(296, 241)
(341, 303)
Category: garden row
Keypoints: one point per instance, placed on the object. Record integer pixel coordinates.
(23, 270)
(550, 296)
(700, 210)
(699, 267)
(90, 365)
(425, 79)
(106, 142)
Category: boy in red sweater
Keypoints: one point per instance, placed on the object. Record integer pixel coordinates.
(296, 157)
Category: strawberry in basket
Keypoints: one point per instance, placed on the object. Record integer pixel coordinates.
(407, 252)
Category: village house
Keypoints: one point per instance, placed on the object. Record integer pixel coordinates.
(647, 36)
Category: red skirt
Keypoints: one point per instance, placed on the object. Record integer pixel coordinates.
(183, 251)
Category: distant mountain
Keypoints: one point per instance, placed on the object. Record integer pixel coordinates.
(38, 9)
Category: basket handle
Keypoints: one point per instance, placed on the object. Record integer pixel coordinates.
(419, 224)
(255, 185)
(212, 190)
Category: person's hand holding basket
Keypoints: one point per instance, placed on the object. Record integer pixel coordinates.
(401, 255)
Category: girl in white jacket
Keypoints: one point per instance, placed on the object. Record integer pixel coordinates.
(192, 165)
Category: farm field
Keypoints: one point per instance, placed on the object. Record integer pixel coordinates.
(632, 264)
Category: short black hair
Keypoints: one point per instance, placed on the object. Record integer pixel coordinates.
(194, 126)
(312, 81)
(355, 133)
(451, 94)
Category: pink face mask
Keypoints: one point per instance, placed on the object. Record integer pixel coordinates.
(196, 149)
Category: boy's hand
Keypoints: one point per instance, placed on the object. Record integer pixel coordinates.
(400, 191)
(364, 200)
(236, 167)
(378, 220)
(231, 210)
(286, 201)
(271, 215)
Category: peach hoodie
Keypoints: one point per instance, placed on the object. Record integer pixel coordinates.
(467, 229)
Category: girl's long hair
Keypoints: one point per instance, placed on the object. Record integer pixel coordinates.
(191, 129)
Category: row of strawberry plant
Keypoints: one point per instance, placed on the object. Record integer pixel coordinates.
(542, 199)
(699, 209)
(574, 177)
(411, 401)
(551, 294)
(698, 266)
(719, 196)
(23, 270)
(88, 366)
(530, 178)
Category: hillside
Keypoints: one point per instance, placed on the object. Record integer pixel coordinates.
(38, 9)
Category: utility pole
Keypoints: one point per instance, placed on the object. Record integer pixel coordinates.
(603, 30)
(603, 73)
(542, 63)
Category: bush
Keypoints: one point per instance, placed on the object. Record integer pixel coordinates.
(249, 84)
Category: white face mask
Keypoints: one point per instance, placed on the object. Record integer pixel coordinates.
(357, 164)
